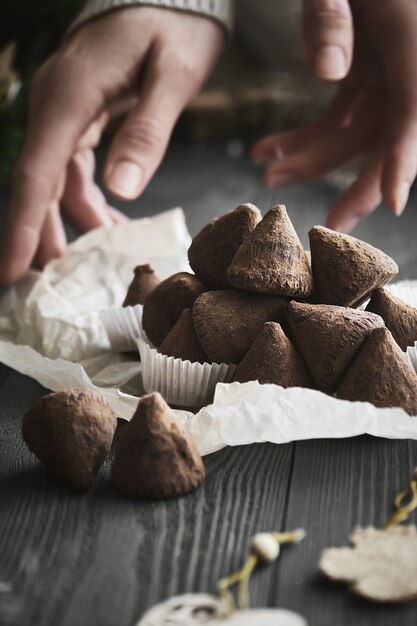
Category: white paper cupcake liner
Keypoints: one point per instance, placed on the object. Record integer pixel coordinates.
(123, 326)
(181, 382)
(406, 290)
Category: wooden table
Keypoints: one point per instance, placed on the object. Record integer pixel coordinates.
(100, 560)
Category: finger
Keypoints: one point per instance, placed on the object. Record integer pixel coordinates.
(361, 199)
(91, 137)
(84, 205)
(53, 240)
(117, 216)
(57, 119)
(329, 149)
(400, 165)
(328, 36)
(339, 113)
(140, 143)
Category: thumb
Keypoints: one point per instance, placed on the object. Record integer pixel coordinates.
(328, 37)
(141, 141)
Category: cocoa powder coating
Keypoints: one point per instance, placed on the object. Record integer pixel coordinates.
(272, 260)
(380, 374)
(166, 302)
(71, 433)
(182, 342)
(228, 322)
(345, 269)
(400, 318)
(213, 249)
(273, 359)
(144, 281)
(156, 456)
(328, 338)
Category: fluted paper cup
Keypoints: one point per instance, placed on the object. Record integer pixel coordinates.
(406, 290)
(181, 382)
(123, 326)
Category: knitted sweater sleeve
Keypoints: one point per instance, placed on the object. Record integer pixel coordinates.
(219, 10)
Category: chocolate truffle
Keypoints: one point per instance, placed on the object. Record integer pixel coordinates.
(400, 318)
(213, 249)
(346, 270)
(273, 359)
(272, 260)
(328, 338)
(143, 282)
(166, 302)
(182, 342)
(380, 374)
(156, 456)
(71, 433)
(227, 322)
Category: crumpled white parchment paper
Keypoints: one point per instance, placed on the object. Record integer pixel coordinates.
(50, 330)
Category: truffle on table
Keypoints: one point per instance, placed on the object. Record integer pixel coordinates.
(156, 456)
(71, 433)
(143, 282)
(228, 322)
(213, 249)
(182, 342)
(328, 338)
(272, 358)
(346, 270)
(381, 374)
(400, 318)
(272, 260)
(166, 302)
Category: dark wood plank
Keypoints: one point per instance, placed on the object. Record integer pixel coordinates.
(336, 486)
(101, 559)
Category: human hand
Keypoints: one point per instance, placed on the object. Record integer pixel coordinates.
(162, 57)
(374, 45)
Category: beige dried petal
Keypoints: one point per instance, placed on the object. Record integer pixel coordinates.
(381, 565)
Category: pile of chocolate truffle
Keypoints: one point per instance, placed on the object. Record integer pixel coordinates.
(258, 300)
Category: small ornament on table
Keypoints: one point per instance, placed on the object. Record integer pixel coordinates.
(382, 564)
(201, 608)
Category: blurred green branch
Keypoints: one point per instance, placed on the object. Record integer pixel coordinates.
(37, 28)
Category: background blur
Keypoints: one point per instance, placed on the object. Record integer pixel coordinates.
(261, 84)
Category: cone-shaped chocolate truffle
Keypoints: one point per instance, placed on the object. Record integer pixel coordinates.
(346, 270)
(156, 456)
(273, 359)
(381, 374)
(227, 322)
(166, 302)
(182, 342)
(328, 338)
(143, 282)
(213, 249)
(272, 260)
(71, 433)
(400, 318)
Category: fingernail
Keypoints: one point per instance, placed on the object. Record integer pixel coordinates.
(281, 178)
(400, 198)
(125, 179)
(330, 63)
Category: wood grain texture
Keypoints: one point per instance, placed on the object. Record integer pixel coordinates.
(101, 560)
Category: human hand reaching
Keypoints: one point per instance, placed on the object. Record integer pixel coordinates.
(373, 45)
(160, 56)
